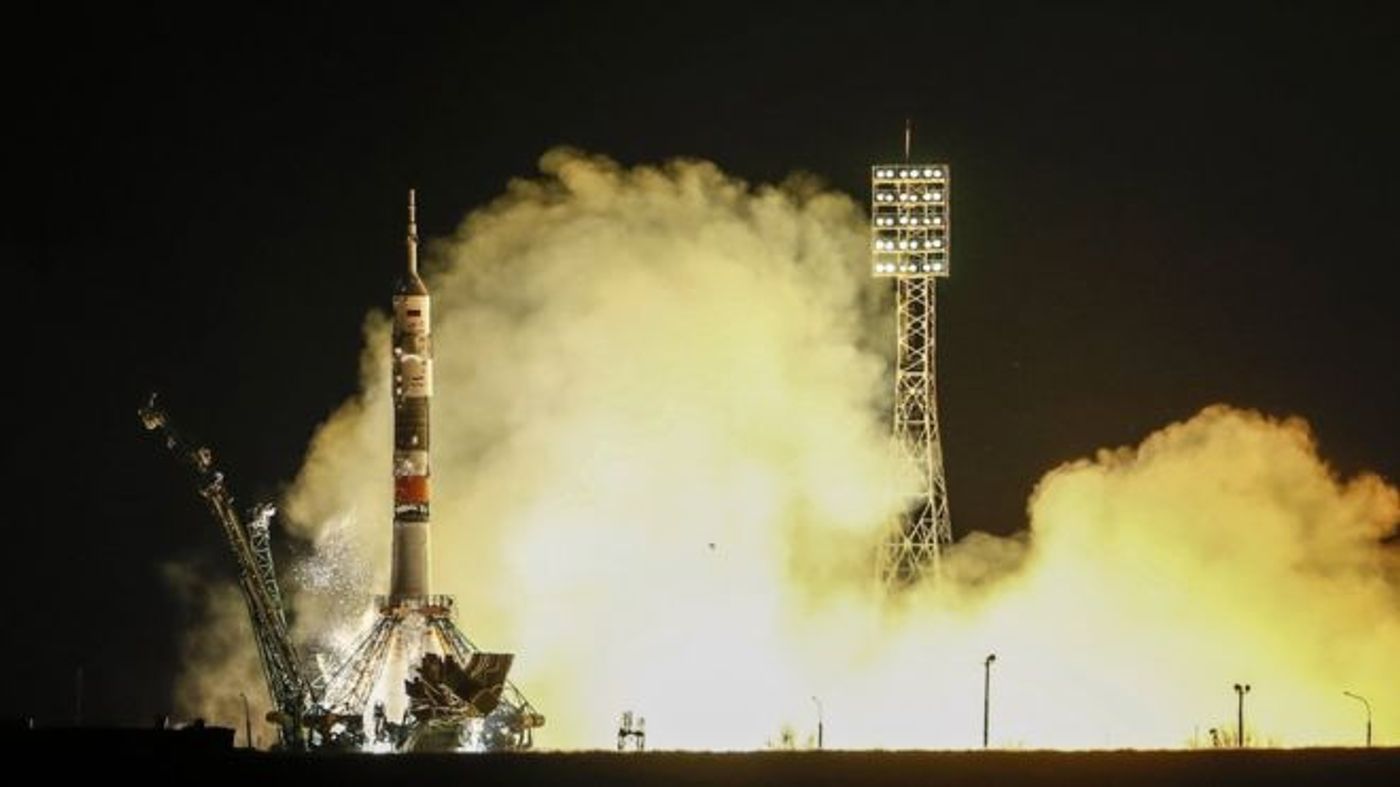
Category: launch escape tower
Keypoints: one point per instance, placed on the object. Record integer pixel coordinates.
(910, 233)
(456, 695)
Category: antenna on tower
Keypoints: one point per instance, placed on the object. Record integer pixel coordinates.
(412, 239)
(908, 135)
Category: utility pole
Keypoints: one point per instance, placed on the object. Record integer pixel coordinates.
(821, 721)
(1363, 701)
(987, 697)
(1240, 691)
(247, 722)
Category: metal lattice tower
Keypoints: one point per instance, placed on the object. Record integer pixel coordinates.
(910, 231)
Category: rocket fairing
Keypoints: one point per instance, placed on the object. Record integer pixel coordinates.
(413, 393)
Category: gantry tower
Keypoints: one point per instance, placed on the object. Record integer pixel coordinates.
(910, 232)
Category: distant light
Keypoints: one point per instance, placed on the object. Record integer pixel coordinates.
(938, 221)
(938, 266)
(926, 267)
(938, 173)
(928, 173)
(937, 196)
(904, 173)
(927, 196)
(938, 243)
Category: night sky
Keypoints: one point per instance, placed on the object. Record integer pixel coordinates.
(1156, 211)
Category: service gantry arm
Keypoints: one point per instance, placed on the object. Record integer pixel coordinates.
(290, 690)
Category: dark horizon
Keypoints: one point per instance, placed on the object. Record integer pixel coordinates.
(1157, 211)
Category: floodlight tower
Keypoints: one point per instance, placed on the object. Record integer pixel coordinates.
(910, 233)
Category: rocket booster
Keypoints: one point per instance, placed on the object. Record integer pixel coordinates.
(413, 392)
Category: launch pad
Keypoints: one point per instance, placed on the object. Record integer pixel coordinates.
(456, 696)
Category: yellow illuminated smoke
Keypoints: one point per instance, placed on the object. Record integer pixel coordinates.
(660, 457)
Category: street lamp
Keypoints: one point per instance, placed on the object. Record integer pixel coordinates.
(1240, 691)
(987, 696)
(247, 721)
(821, 723)
(1363, 701)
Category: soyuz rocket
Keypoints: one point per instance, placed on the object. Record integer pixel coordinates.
(413, 393)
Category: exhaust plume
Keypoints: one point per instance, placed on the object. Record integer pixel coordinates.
(661, 469)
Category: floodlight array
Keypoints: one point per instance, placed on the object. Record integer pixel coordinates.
(910, 220)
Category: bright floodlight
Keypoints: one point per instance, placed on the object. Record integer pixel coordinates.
(910, 217)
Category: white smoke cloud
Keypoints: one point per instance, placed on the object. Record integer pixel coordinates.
(660, 471)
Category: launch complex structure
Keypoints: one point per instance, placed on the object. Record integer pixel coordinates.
(911, 234)
(458, 696)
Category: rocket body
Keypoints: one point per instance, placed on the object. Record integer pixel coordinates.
(413, 393)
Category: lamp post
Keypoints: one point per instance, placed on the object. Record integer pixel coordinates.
(821, 722)
(1363, 701)
(247, 722)
(987, 696)
(1240, 691)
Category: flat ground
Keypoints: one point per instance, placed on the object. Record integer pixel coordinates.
(1343, 767)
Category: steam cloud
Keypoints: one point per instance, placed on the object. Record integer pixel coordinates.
(661, 468)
